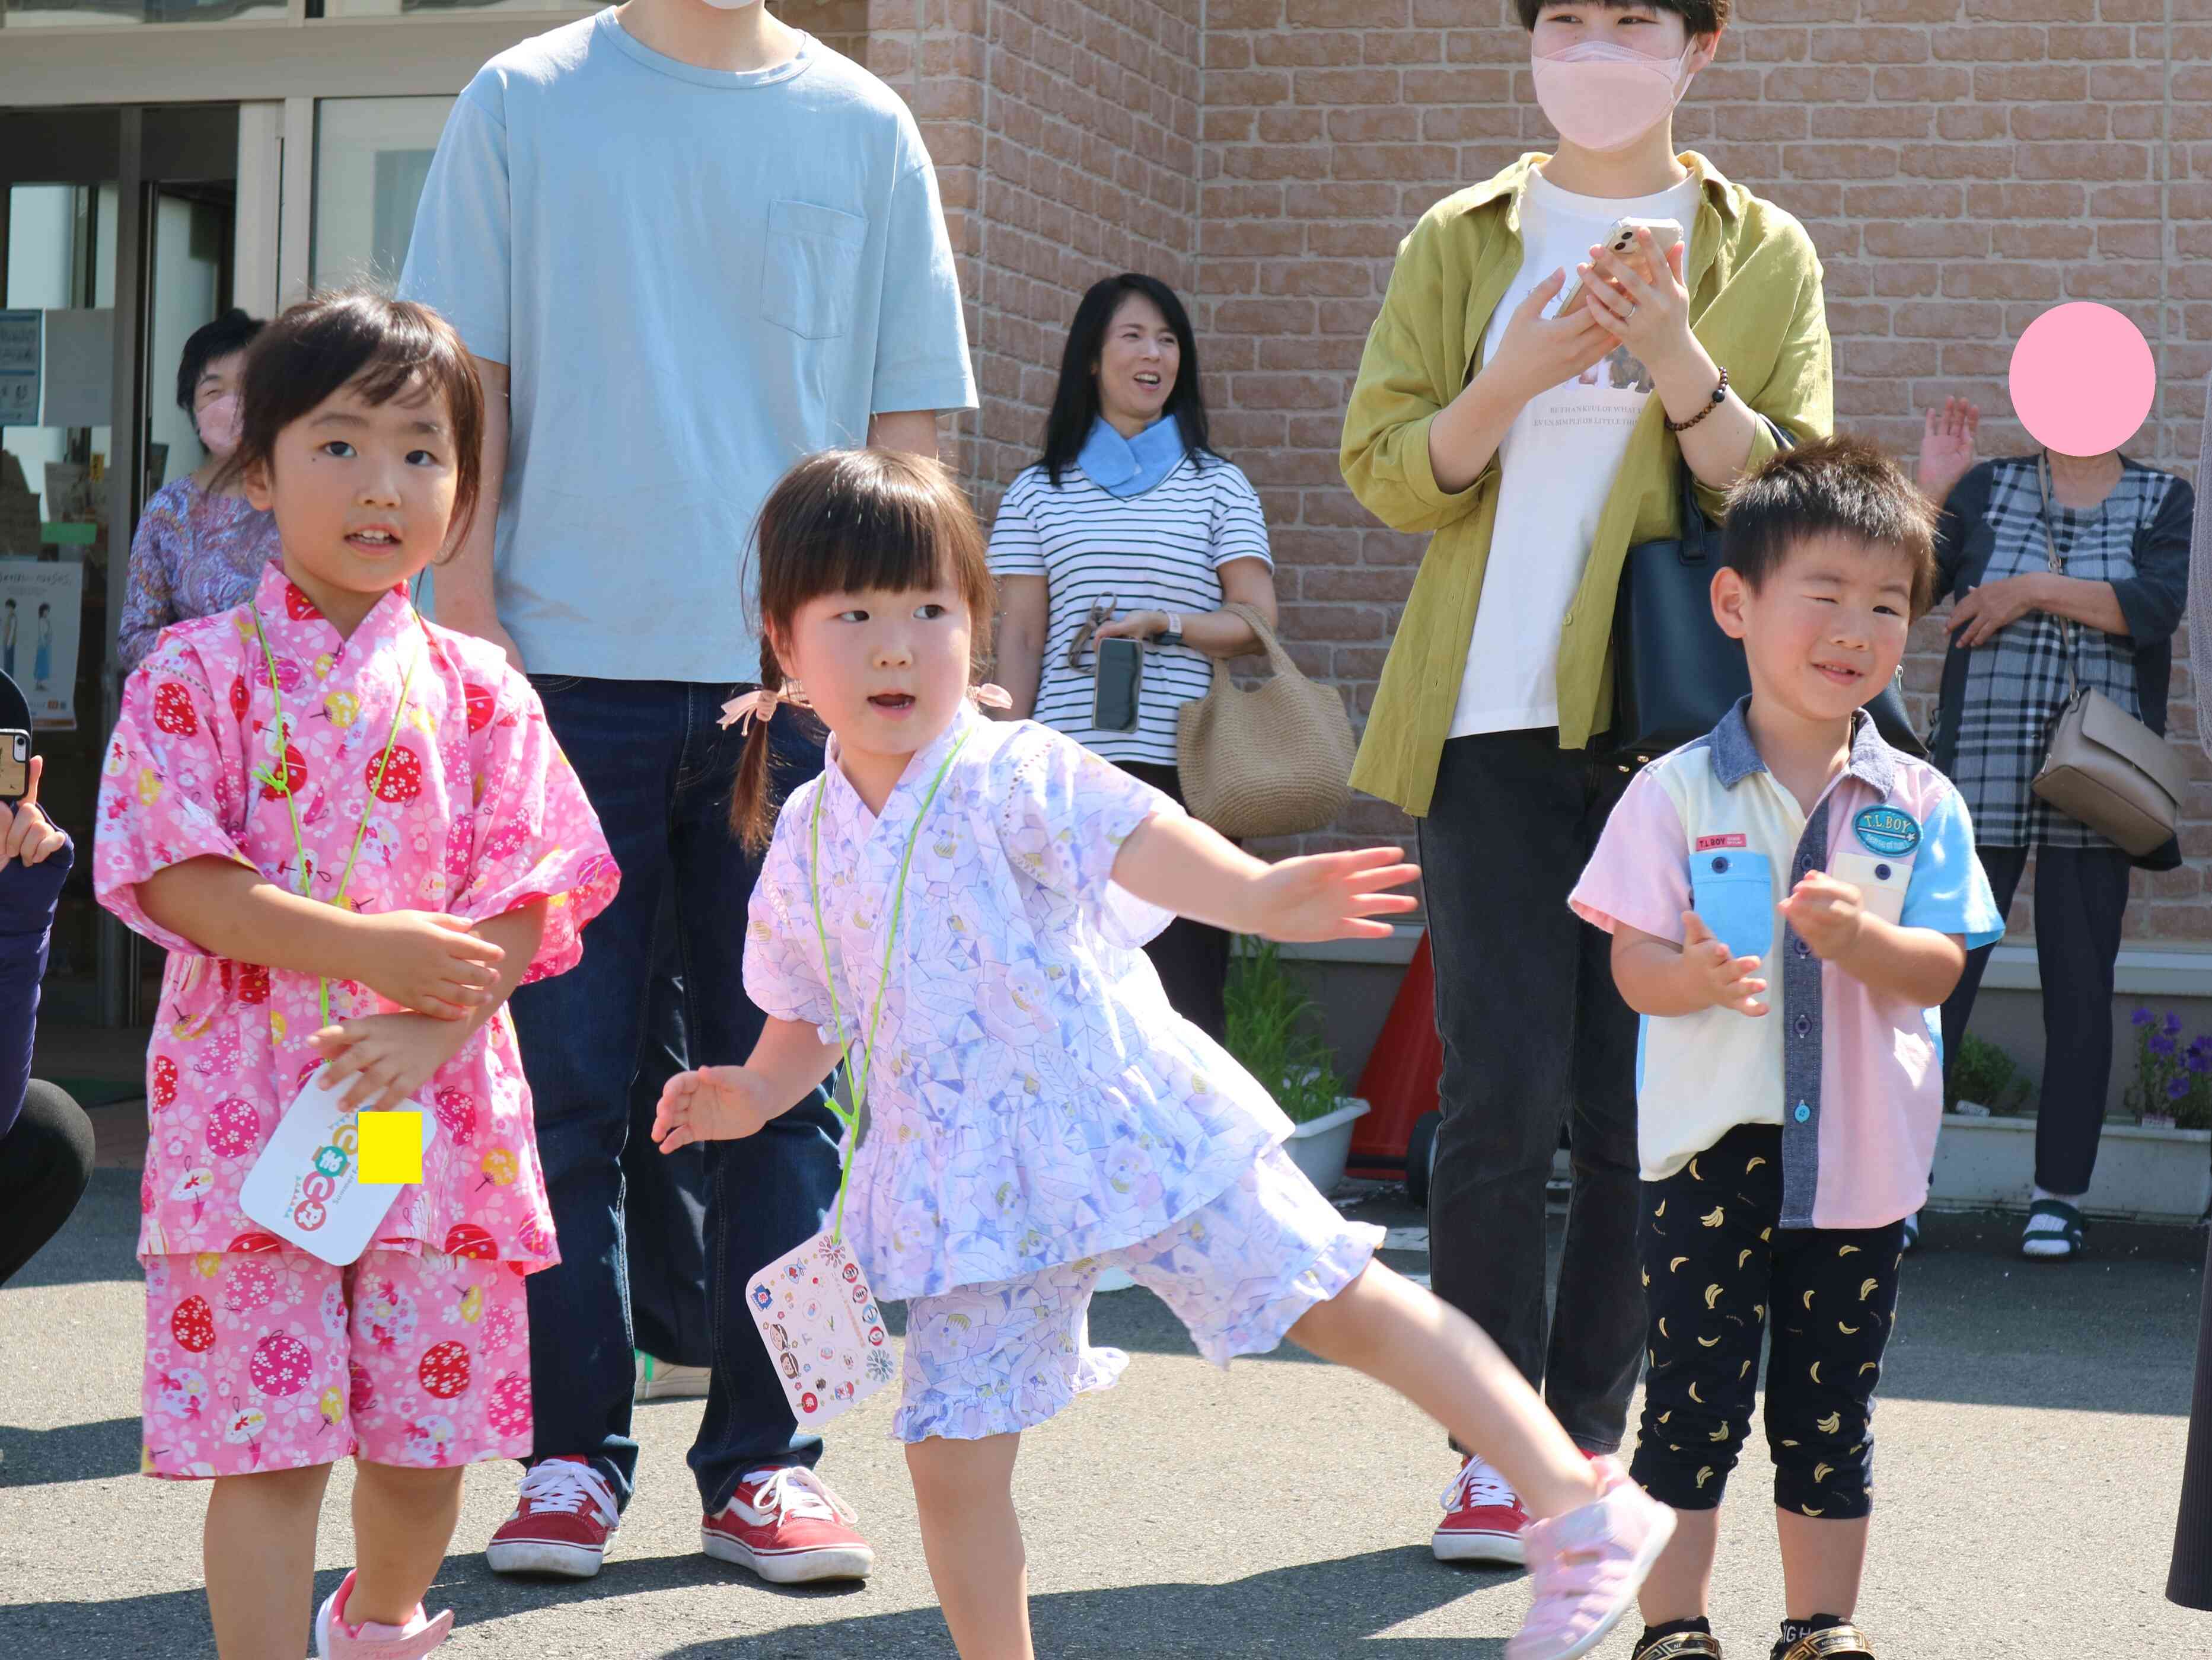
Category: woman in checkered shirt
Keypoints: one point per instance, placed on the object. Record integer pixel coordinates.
(2121, 531)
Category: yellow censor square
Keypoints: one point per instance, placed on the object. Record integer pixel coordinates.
(391, 1146)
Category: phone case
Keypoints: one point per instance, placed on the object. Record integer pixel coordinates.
(823, 1330)
(1119, 685)
(14, 765)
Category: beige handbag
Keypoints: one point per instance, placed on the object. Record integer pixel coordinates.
(1272, 761)
(2105, 767)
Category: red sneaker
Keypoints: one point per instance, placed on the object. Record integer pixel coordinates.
(787, 1527)
(561, 1521)
(1483, 1519)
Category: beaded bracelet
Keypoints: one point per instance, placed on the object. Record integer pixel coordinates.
(1719, 397)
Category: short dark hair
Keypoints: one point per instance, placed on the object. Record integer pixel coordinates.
(233, 331)
(1842, 485)
(383, 346)
(1698, 17)
(1075, 399)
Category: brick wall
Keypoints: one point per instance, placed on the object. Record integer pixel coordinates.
(1065, 135)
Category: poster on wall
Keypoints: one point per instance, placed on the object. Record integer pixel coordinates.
(21, 347)
(41, 602)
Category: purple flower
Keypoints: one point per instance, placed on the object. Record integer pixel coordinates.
(2199, 1063)
(2142, 1017)
(2161, 1046)
(2176, 1088)
(2172, 1025)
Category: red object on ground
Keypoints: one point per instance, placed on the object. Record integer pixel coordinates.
(1399, 1083)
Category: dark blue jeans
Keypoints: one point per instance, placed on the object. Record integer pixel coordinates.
(658, 771)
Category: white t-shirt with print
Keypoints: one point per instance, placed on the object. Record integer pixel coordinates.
(1557, 466)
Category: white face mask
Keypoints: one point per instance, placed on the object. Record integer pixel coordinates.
(729, 5)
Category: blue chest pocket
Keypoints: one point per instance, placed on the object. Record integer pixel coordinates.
(1733, 892)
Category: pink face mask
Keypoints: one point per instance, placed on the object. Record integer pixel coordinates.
(219, 423)
(1604, 97)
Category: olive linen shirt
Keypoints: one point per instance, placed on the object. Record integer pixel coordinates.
(1755, 305)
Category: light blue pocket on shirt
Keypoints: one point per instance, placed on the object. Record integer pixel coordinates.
(1732, 891)
(811, 270)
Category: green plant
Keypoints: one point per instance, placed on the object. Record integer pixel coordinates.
(1984, 1073)
(1271, 1032)
(2170, 1081)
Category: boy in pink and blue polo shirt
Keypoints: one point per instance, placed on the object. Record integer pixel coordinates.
(1790, 901)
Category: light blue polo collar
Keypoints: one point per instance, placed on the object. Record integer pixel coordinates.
(1735, 757)
(1127, 467)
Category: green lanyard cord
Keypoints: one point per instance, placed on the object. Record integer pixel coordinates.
(851, 1120)
(281, 782)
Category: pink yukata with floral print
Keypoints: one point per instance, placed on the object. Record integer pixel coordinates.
(259, 1356)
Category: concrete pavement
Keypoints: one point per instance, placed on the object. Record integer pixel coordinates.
(2031, 1440)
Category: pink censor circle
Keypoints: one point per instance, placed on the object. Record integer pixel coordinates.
(2082, 378)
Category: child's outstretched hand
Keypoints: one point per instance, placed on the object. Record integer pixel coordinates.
(1730, 981)
(714, 1104)
(1333, 896)
(389, 1057)
(1827, 914)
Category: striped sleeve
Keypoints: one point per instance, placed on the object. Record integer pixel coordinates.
(1240, 526)
(1016, 550)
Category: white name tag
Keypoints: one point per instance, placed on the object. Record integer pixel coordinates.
(305, 1187)
(1880, 880)
(823, 1330)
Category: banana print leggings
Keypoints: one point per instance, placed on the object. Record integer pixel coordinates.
(1717, 1272)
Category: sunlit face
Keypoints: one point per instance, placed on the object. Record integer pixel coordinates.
(1646, 29)
(1825, 632)
(362, 493)
(885, 672)
(1138, 363)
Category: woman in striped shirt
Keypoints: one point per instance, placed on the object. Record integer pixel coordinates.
(1131, 526)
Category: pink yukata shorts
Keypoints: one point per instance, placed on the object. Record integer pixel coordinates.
(276, 1359)
(1238, 1272)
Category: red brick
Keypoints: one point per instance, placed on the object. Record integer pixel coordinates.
(1959, 161)
(2003, 279)
(2031, 241)
(1303, 51)
(2077, 160)
(1991, 43)
(1356, 86)
(1831, 121)
(1839, 161)
(1871, 46)
(2044, 121)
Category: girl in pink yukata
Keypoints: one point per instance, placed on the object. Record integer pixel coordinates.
(355, 837)
(969, 900)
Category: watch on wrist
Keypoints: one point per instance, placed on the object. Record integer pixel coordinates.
(1172, 634)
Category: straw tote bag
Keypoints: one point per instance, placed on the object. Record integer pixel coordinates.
(2105, 767)
(1272, 761)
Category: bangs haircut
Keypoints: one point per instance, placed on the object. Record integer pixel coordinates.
(855, 522)
(1698, 17)
(384, 349)
(1836, 486)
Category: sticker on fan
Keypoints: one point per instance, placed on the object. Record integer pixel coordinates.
(822, 1326)
(308, 1186)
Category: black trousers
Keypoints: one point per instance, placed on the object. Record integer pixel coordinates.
(1719, 1270)
(1534, 1036)
(1192, 957)
(2081, 897)
(2189, 1584)
(46, 1164)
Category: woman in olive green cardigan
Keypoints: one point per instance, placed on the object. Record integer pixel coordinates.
(1488, 747)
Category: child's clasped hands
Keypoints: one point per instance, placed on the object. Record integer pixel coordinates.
(1827, 915)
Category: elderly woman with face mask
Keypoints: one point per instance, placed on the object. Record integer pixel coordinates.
(199, 548)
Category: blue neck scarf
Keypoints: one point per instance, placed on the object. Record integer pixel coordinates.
(1127, 467)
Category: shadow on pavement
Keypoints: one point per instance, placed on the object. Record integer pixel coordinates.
(75, 1453)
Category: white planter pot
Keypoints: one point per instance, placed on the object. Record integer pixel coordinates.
(1321, 1146)
(2143, 1174)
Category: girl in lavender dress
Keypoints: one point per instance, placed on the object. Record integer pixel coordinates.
(199, 550)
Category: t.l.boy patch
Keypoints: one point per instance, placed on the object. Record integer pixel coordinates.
(1887, 832)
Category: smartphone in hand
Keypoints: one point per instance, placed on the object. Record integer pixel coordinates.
(14, 765)
(1666, 233)
(1121, 680)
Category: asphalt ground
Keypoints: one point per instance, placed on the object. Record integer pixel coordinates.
(2031, 1434)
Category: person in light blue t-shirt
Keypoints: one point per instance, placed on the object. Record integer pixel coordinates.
(691, 245)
